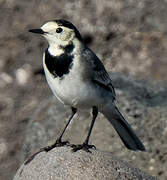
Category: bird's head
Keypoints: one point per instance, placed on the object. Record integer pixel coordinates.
(58, 32)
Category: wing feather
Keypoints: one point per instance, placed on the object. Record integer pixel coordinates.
(99, 73)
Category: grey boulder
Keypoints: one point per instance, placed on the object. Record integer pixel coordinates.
(61, 164)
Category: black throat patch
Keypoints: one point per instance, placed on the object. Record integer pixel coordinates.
(60, 65)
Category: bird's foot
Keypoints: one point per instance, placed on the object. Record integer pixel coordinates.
(83, 146)
(58, 143)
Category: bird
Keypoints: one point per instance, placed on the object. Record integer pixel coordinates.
(78, 79)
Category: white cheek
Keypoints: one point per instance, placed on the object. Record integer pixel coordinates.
(64, 36)
(55, 51)
(50, 38)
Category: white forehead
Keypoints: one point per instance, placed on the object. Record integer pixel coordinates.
(49, 26)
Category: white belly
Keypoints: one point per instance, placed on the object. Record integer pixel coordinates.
(71, 90)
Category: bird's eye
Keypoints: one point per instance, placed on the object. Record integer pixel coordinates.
(59, 30)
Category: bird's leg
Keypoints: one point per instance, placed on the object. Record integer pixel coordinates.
(58, 142)
(85, 146)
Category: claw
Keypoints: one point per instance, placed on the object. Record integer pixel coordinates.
(58, 143)
(83, 146)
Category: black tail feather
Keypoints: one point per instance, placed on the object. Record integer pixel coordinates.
(124, 130)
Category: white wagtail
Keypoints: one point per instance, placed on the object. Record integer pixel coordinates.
(78, 78)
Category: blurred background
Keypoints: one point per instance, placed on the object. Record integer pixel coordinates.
(129, 36)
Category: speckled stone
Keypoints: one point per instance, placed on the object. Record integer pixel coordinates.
(62, 164)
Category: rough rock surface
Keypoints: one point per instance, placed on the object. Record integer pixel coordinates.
(62, 164)
(144, 106)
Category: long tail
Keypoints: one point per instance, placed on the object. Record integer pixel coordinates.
(122, 127)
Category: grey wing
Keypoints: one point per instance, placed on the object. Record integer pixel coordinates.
(99, 74)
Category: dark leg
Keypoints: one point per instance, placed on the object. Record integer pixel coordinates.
(85, 146)
(58, 142)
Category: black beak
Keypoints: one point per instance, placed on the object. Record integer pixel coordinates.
(37, 31)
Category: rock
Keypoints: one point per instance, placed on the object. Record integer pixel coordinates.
(61, 164)
(143, 104)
